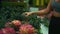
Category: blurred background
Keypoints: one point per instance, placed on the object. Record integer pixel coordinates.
(12, 10)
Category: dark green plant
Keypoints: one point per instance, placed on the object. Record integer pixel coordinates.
(10, 11)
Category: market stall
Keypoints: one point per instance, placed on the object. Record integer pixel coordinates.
(12, 21)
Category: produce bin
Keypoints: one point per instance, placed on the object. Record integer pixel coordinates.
(13, 21)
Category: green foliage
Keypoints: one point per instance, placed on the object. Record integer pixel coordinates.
(10, 11)
(14, 27)
(13, 10)
(45, 21)
(34, 21)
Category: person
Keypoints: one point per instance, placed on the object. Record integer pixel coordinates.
(54, 25)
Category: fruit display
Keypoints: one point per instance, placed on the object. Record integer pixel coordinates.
(16, 22)
(27, 29)
(36, 21)
(7, 30)
(1, 32)
(13, 22)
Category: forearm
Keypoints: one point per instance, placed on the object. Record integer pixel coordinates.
(41, 12)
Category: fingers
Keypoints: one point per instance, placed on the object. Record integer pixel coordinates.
(26, 14)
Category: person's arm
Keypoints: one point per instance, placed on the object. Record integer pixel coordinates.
(44, 11)
(41, 12)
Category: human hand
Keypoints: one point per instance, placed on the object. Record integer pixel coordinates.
(27, 13)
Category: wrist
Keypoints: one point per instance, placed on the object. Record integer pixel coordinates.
(32, 12)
